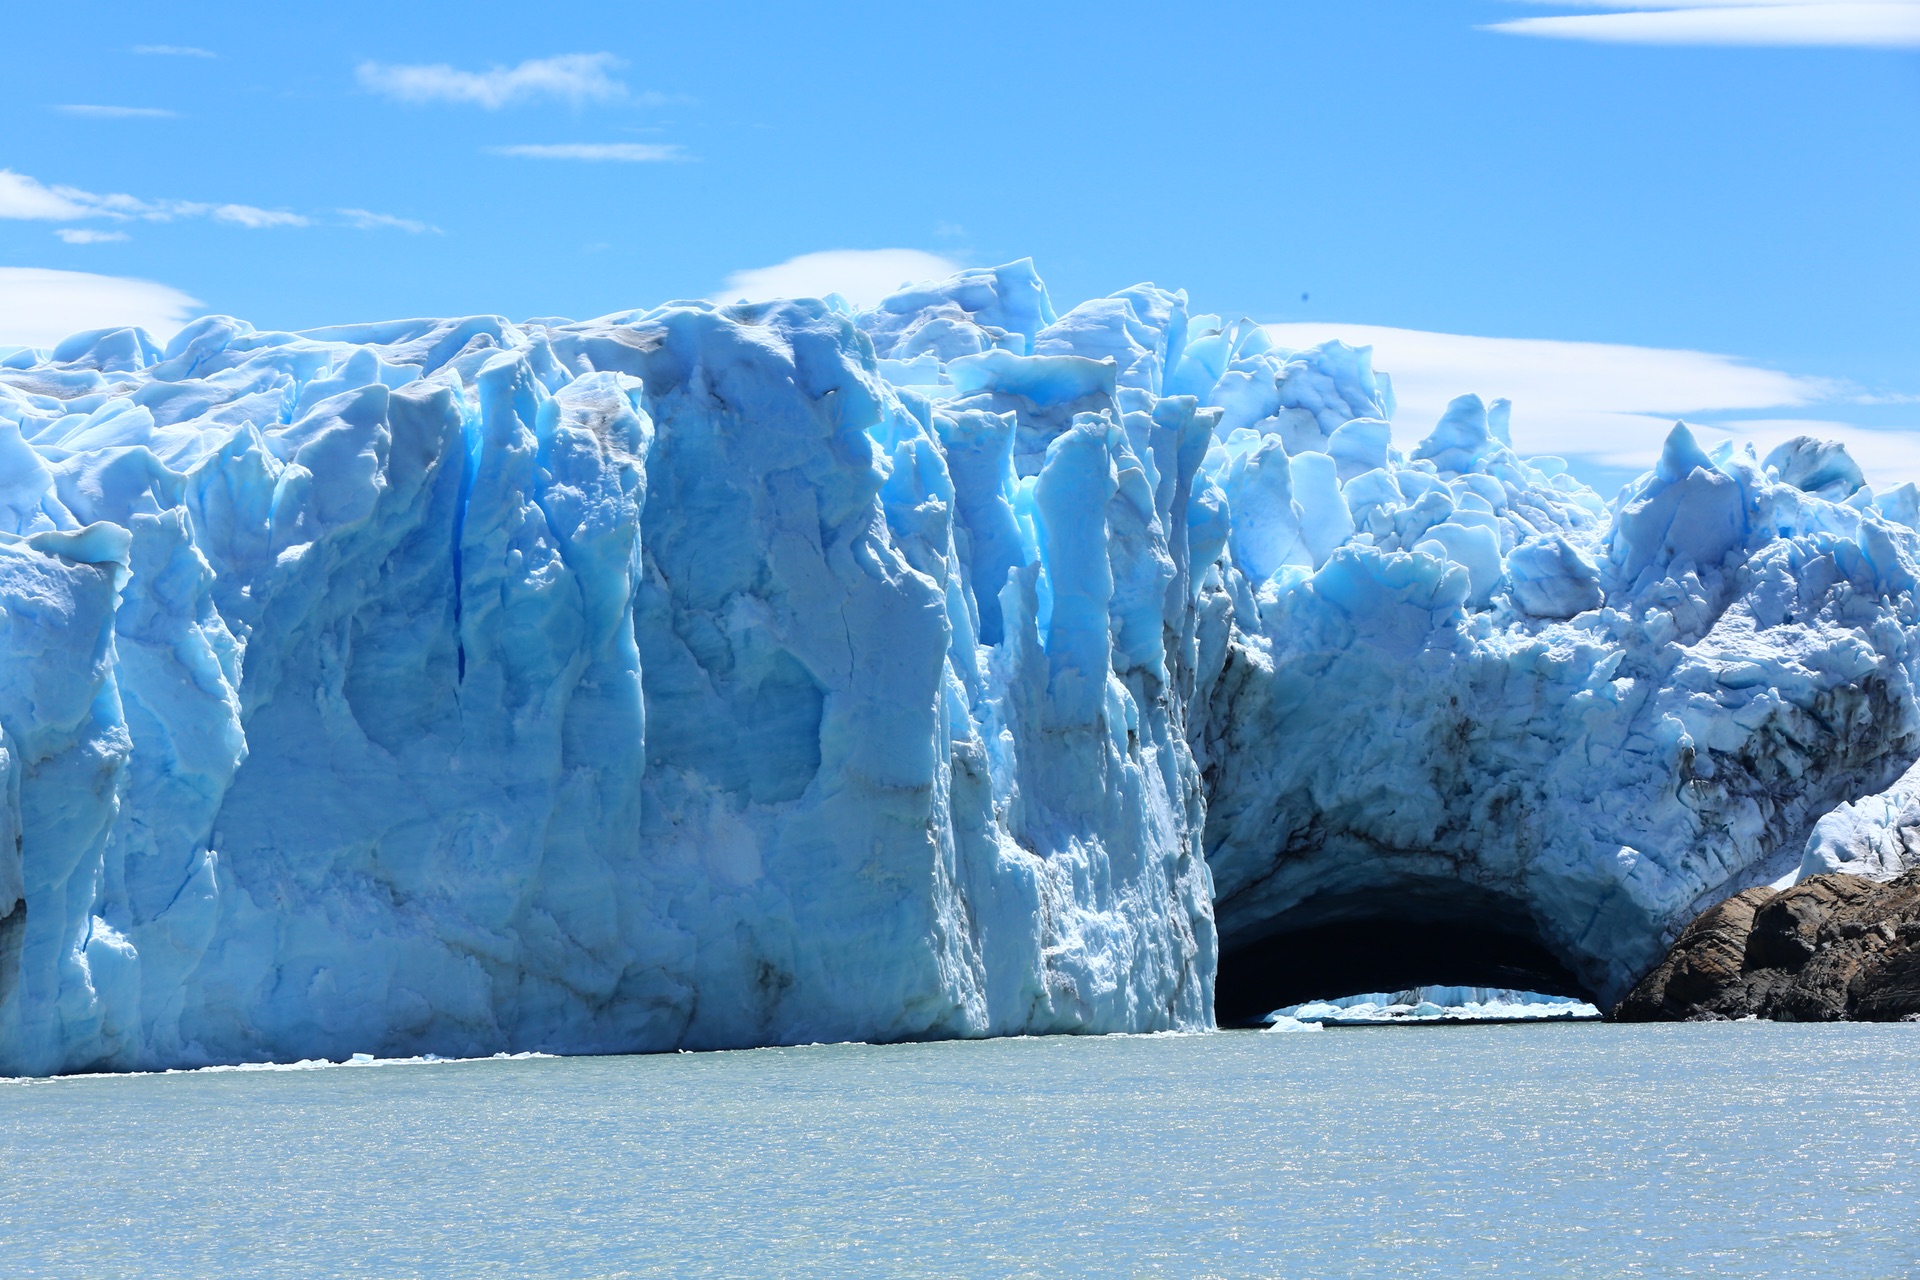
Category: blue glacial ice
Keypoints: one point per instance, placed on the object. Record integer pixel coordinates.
(1877, 835)
(715, 676)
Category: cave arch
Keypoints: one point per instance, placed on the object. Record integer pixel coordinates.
(1388, 937)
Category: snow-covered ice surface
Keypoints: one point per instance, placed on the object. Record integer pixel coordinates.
(718, 676)
(1431, 1004)
(1877, 835)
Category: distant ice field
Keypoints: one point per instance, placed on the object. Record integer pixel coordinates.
(1535, 1150)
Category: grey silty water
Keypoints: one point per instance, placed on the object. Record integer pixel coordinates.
(1584, 1150)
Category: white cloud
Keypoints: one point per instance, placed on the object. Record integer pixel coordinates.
(367, 220)
(1853, 23)
(86, 235)
(573, 77)
(98, 112)
(173, 51)
(861, 276)
(245, 215)
(1608, 404)
(39, 307)
(24, 197)
(627, 152)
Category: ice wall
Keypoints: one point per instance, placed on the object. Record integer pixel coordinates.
(714, 676)
(1609, 715)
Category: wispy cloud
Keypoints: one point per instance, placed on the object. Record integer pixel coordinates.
(1893, 24)
(98, 112)
(173, 51)
(27, 198)
(622, 152)
(22, 197)
(39, 307)
(245, 215)
(861, 276)
(576, 78)
(1610, 404)
(367, 220)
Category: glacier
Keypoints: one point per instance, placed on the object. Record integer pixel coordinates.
(711, 676)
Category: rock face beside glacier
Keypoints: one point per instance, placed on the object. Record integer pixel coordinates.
(1832, 948)
(712, 676)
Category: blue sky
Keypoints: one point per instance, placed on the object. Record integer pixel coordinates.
(1606, 187)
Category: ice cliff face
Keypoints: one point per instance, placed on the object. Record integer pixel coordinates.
(1602, 715)
(722, 676)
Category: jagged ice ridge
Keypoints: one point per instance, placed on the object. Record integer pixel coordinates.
(713, 676)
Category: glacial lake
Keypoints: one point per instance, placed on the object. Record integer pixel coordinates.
(1544, 1150)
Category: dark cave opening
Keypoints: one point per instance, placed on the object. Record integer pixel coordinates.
(1428, 933)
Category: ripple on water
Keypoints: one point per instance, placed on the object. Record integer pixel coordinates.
(1558, 1150)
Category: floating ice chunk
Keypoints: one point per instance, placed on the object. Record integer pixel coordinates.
(1282, 1023)
(1437, 1004)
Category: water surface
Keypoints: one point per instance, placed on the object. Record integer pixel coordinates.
(1557, 1150)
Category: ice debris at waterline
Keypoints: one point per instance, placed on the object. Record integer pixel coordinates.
(711, 676)
(1431, 1005)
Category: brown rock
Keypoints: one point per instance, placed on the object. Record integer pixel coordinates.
(1818, 991)
(1703, 967)
(1892, 992)
(1832, 947)
(1789, 929)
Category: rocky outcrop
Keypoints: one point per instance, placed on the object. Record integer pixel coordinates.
(1831, 948)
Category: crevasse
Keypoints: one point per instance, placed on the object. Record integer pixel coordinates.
(718, 676)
